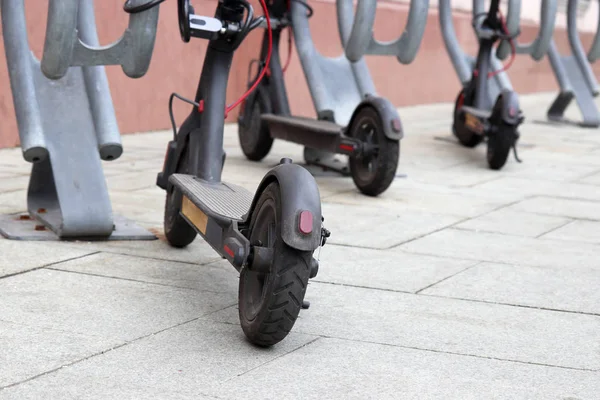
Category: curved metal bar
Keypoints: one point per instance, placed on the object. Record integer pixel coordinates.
(577, 47)
(539, 47)
(61, 36)
(356, 31)
(96, 82)
(63, 48)
(594, 52)
(20, 69)
(142, 30)
(457, 55)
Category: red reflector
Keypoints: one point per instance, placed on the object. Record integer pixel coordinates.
(228, 251)
(305, 224)
(396, 125)
(346, 147)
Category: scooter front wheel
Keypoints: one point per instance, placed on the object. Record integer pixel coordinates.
(374, 170)
(499, 144)
(269, 302)
(177, 230)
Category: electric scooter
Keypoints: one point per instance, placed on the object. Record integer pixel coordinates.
(351, 120)
(475, 116)
(268, 236)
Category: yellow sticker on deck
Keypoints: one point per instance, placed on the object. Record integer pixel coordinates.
(194, 215)
(473, 123)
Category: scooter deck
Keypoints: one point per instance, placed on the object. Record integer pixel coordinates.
(219, 200)
(476, 112)
(316, 134)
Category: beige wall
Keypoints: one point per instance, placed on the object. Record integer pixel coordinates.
(141, 104)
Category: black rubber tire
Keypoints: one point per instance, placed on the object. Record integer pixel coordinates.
(499, 145)
(464, 135)
(177, 230)
(374, 175)
(253, 132)
(269, 304)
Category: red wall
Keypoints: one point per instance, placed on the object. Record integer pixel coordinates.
(141, 104)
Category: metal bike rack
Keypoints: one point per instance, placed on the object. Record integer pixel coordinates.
(539, 47)
(336, 84)
(356, 31)
(464, 63)
(575, 76)
(66, 118)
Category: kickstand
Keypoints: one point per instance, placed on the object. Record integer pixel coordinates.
(515, 153)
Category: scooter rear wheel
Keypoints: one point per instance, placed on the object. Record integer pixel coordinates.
(269, 303)
(373, 173)
(253, 132)
(177, 230)
(465, 136)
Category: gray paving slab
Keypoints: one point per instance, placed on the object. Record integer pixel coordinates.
(529, 187)
(574, 289)
(132, 181)
(593, 179)
(337, 369)
(564, 207)
(14, 182)
(28, 351)
(12, 202)
(114, 308)
(493, 247)
(511, 222)
(217, 277)
(408, 195)
(368, 226)
(183, 362)
(18, 256)
(198, 252)
(448, 325)
(578, 231)
(381, 269)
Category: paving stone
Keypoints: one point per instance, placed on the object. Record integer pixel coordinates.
(512, 222)
(132, 181)
(13, 202)
(198, 252)
(13, 182)
(571, 208)
(183, 362)
(494, 247)
(18, 256)
(27, 351)
(391, 270)
(593, 179)
(369, 227)
(217, 277)
(448, 325)
(529, 187)
(114, 308)
(552, 288)
(336, 369)
(143, 207)
(408, 195)
(578, 231)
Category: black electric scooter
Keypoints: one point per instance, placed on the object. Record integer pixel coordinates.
(269, 236)
(351, 121)
(474, 117)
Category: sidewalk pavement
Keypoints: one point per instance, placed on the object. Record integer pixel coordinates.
(457, 283)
